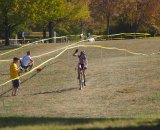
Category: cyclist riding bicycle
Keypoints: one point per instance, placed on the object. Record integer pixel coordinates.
(82, 63)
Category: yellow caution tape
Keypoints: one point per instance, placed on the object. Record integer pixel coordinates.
(113, 48)
(145, 34)
(71, 47)
(14, 49)
(87, 46)
(50, 51)
(65, 48)
(30, 44)
(35, 67)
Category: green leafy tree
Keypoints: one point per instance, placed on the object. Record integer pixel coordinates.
(8, 10)
(60, 14)
(16, 15)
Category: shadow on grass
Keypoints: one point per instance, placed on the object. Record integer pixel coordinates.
(3, 47)
(57, 91)
(32, 76)
(125, 128)
(2, 94)
(30, 121)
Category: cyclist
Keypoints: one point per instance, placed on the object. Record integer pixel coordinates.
(26, 62)
(82, 63)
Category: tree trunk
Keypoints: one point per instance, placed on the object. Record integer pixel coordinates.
(81, 27)
(44, 32)
(50, 28)
(108, 25)
(6, 26)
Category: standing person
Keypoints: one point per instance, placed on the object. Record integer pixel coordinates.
(82, 63)
(14, 75)
(81, 36)
(27, 62)
(88, 35)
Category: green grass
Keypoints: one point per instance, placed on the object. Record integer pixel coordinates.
(42, 123)
(154, 97)
(122, 89)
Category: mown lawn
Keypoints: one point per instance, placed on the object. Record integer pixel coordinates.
(122, 89)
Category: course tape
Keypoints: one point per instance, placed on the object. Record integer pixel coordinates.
(14, 49)
(64, 49)
(35, 67)
(5, 60)
(97, 46)
(38, 55)
(144, 34)
(50, 51)
(71, 47)
(17, 39)
(42, 40)
(127, 34)
(130, 34)
(120, 34)
(113, 48)
(58, 49)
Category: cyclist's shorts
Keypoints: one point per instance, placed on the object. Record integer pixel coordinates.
(81, 66)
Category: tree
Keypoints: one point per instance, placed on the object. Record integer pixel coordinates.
(19, 14)
(15, 14)
(81, 13)
(8, 8)
(139, 15)
(152, 22)
(104, 10)
(59, 13)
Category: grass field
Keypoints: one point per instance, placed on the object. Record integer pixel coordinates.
(122, 92)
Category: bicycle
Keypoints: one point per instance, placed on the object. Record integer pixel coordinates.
(81, 77)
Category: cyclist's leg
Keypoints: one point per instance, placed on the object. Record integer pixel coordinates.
(78, 71)
(84, 75)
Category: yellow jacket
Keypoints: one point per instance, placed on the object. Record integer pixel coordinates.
(14, 71)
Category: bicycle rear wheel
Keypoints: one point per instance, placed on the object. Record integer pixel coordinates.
(81, 80)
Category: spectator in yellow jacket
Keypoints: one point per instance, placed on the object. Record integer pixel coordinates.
(14, 75)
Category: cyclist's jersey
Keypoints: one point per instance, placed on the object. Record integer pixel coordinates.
(83, 60)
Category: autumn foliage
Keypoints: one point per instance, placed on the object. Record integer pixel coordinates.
(75, 16)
